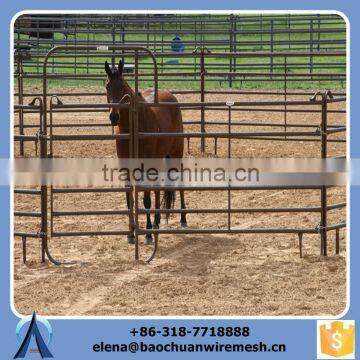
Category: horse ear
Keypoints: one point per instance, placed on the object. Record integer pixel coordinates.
(107, 69)
(121, 67)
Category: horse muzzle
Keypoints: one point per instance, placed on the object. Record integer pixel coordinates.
(114, 118)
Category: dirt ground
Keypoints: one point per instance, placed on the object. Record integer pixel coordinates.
(254, 274)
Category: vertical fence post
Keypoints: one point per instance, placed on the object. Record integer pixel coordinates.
(289, 30)
(318, 34)
(43, 188)
(323, 222)
(231, 49)
(113, 38)
(202, 96)
(20, 72)
(122, 38)
(229, 206)
(229, 105)
(285, 95)
(300, 235)
(147, 26)
(43, 154)
(51, 126)
(234, 43)
(311, 30)
(135, 108)
(162, 43)
(196, 46)
(135, 152)
(271, 45)
(87, 51)
(37, 47)
(23, 238)
(51, 210)
(75, 50)
(130, 195)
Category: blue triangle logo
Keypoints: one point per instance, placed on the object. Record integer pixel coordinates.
(33, 330)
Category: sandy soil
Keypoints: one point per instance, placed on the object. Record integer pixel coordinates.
(191, 275)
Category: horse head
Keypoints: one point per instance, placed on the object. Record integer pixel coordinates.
(114, 89)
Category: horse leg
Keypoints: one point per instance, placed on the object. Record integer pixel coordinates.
(147, 205)
(183, 222)
(157, 216)
(129, 203)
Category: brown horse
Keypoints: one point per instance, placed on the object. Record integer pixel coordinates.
(153, 120)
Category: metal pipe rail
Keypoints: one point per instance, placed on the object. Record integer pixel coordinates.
(231, 187)
(95, 51)
(27, 234)
(282, 110)
(184, 32)
(316, 209)
(224, 108)
(264, 124)
(199, 104)
(185, 67)
(90, 190)
(171, 76)
(82, 137)
(227, 135)
(89, 233)
(336, 226)
(26, 107)
(230, 231)
(143, 135)
(195, 122)
(336, 130)
(242, 103)
(23, 138)
(27, 214)
(214, 42)
(249, 136)
(91, 106)
(27, 191)
(211, 80)
(174, 91)
(90, 212)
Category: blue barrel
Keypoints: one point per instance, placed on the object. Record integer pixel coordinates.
(177, 46)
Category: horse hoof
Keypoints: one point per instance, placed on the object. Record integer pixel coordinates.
(131, 239)
(148, 240)
(183, 224)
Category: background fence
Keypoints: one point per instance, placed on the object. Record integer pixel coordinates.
(229, 36)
